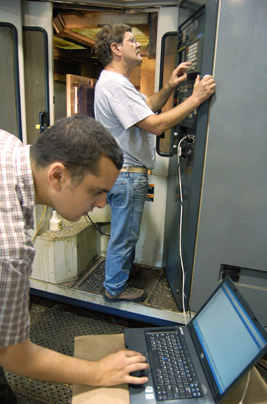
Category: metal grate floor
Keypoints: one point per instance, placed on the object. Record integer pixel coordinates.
(153, 280)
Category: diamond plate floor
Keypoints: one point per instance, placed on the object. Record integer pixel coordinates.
(153, 280)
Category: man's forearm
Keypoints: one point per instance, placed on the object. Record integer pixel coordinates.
(159, 99)
(158, 124)
(173, 116)
(156, 101)
(31, 360)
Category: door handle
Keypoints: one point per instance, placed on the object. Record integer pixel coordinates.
(43, 121)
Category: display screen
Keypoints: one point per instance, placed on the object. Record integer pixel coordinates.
(232, 341)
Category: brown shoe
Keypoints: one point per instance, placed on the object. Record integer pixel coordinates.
(135, 270)
(128, 295)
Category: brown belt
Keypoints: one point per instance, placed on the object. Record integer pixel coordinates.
(133, 170)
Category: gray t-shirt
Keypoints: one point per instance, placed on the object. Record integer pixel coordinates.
(119, 106)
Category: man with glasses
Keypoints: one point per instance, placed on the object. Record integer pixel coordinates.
(131, 118)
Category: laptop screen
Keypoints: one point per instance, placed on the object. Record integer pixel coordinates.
(229, 337)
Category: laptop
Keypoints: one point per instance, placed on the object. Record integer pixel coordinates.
(221, 343)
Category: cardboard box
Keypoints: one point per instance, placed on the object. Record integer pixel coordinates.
(93, 347)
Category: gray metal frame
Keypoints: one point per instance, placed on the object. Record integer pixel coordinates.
(233, 215)
(225, 213)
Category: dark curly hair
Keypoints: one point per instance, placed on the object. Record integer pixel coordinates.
(78, 142)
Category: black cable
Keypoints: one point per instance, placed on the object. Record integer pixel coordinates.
(97, 228)
(189, 309)
(262, 364)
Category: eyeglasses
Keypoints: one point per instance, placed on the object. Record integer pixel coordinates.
(132, 40)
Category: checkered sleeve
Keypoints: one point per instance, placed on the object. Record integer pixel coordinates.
(16, 249)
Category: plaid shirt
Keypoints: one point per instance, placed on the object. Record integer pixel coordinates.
(17, 252)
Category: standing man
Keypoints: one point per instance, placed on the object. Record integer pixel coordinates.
(71, 167)
(131, 118)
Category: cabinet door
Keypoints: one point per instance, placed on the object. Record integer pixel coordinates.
(167, 64)
(26, 56)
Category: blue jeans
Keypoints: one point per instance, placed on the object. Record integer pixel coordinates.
(126, 199)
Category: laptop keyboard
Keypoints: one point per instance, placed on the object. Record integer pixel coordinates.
(172, 368)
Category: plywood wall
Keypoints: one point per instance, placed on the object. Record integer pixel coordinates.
(143, 77)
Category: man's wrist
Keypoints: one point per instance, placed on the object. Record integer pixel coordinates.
(169, 88)
(195, 101)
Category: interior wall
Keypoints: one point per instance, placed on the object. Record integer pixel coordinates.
(147, 76)
(60, 100)
(135, 77)
(143, 76)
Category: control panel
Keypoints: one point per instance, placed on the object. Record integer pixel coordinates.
(194, 54)
(191, 36)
